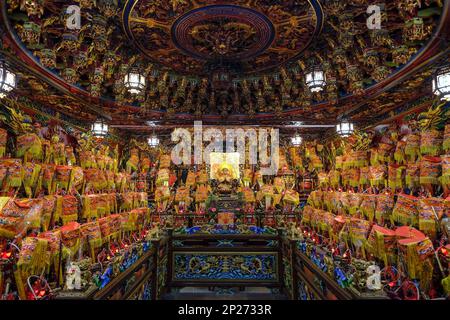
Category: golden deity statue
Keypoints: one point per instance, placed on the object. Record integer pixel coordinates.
(182, 199)
(225, 174)
(247, 177)
(291, 198)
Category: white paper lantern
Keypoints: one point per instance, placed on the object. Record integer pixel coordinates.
(153, 141)
(100, 128)
(441, 83)
(7, 80)
(345, 128)
(296, 140)
(134, 81)
(315, 79)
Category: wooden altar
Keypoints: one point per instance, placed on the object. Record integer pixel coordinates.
(225, 259)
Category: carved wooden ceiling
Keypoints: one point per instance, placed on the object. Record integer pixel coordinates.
(262, 47)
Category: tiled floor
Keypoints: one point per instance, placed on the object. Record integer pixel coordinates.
(194, 293)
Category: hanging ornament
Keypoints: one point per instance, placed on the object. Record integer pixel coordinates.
(371, 57)
(7, 80)
(30, 33)
(296, 140)
(134, 81)
(415, 30)
(380, 73)
(69, 42)
(345, 128)
(70, 75)
(441, 83)
(315, 78)
(401, 54)
(153, 141)
(47, 58)
(354, 73)
(100, 128)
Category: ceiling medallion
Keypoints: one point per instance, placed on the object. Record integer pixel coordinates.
(252, 36)
(223, 32)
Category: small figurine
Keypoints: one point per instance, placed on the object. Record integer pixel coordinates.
(154, 233)
(73, 277)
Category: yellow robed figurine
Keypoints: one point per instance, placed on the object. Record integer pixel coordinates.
(225, 172)
(31, 173)
(201, 195)
(87, 157)
(182, 199)
(162, 177)
(133, 162)
(3, 141)
(190, 179)
(291, 199)
(249, 203)
(76, 180)
(283, 164)
(202, 176)
(146, 164)
(279, 184)
(162, 198)
(164, 161)
(267, 195)
(70, 155)
(115, 159)
(58, 155)
(296, 159)
(101, 157)
(248, 194)
(29, 147)
(247, 177)
(258, 179)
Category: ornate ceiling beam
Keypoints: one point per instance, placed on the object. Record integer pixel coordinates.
(433, 51)
(25, 60)
(350, 103)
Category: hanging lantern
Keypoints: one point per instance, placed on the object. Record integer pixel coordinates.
(296, 140)
(100, 128)
(441, 83)
(69, 42)
(344, 128)
(380, 73)
(7, 80)
(347, 40)
(340, 55)
(31, 33)
(401, 54)
(153, 141)
(151, 123)
(315, 79)
(380, 37)
(108, 7)
(47, 58)
(370, 56)
(99, 25)
(415, 30)
(346, 22)
(134, 81)
(335, 7)
(70, 75)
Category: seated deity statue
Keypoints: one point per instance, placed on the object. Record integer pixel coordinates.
(225, 178)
